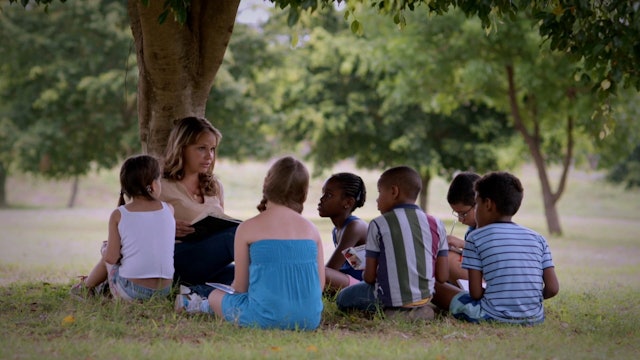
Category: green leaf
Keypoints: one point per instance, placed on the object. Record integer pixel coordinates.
(356, 27)
(294, 16)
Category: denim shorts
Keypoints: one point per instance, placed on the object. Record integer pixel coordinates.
(123, 288)
(464, 307)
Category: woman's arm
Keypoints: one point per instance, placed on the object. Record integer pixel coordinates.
(354, 234)
(112, 253)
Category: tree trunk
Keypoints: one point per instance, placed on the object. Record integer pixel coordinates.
(3, 186)
(74, 192)
(177, 63)
(532, 139)
(424, 193)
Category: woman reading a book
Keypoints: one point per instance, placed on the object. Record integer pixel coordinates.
(189, 184)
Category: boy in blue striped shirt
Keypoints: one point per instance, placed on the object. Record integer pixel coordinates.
(514, 261)
(406, 252)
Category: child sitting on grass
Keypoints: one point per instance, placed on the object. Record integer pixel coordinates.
(137, 259)
(342, 193)
(514, 261)
(406, 252)
(461, 199)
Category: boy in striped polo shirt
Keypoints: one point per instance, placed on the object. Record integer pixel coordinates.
(406, 251)
(514, 261)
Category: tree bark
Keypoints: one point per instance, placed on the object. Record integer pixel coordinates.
(424, 193)
(3, 186)
(74, 192)
(532, 139)
(177, 63)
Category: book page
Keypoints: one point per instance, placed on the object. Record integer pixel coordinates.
(355, 256)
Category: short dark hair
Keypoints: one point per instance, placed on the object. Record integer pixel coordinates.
(405, 178)
(503, 188)
(461, 189)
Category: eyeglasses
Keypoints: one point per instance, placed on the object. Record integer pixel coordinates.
(463, 215)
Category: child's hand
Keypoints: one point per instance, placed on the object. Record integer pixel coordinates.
(455, 242)
(183, 228)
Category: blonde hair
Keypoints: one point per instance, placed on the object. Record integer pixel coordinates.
(286, 183)
(186, 132)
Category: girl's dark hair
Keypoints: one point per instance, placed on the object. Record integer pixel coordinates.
(352, 186)
(461, 189)
(136, 176)
(286, 183)
(503, 188)
(186, 132)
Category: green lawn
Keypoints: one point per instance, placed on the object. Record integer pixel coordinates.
(43, 246)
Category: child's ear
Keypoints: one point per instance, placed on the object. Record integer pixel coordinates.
(395, 191)
(489, 205)
(348, 202)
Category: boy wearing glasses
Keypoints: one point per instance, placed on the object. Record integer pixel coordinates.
(461, 199)
(515, 261)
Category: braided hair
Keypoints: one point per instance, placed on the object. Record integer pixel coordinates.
(352, 186)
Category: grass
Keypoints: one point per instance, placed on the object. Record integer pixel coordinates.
(43, 246)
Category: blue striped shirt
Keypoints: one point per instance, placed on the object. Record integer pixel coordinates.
(511, 259)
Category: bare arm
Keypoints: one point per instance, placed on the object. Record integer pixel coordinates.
(475, 284)
(320, 259)
(370, 271)
(112, 254)
(551, 284)
(355, 234)
(442, 269)
(241, 258)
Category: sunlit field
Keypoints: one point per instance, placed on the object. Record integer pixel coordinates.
(44, 246)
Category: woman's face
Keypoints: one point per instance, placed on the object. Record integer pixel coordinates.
(200, 156)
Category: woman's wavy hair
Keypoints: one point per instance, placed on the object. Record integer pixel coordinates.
(184, 133)
(286, 183)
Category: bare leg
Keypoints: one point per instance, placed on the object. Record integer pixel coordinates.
(444, 293)
(96, 276)
(335, 280)
(215, 301)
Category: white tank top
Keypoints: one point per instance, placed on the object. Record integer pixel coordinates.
(147, 239)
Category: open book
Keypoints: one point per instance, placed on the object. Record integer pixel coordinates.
(226, 288)
(464, 284)
(207, 224)
(355, 257)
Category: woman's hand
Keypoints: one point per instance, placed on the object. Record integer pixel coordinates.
(183, 228)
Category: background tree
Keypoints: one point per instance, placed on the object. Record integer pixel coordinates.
(178, 60)
(342, 100)
(65, 109)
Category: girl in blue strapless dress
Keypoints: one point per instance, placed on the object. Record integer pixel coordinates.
(279, 262)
